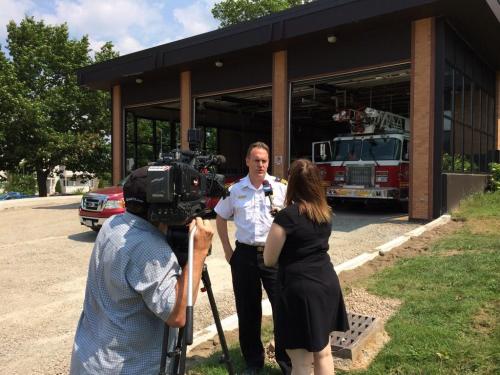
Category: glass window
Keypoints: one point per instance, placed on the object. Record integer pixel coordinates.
(163, 136)
(346, 149)
(211, 140)
(144, 155)
(448, 91)
(484, 111)
(447, 165)
(484, 152)
(491, 151)
(144, 131)
(467, 148)
(129, 128)
(457, 146)
(476, 167)
(467, 101)
(491, 116)
(476, 108)
(381, 149)
(458, 96)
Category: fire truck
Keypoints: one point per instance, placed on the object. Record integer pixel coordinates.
(371, 162)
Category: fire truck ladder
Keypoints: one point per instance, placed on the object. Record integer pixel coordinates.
(371, 121)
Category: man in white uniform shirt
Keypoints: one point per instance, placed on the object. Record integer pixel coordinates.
(252, 211)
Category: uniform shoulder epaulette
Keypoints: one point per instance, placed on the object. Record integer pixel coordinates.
(282, 180)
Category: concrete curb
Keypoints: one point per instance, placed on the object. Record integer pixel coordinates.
(231, 322)
(384, 249)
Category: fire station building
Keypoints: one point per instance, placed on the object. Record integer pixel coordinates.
(283, 77)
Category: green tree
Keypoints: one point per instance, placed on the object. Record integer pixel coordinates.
(49, 119)
(229, 12)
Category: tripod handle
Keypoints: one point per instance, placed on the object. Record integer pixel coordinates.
(189, 308)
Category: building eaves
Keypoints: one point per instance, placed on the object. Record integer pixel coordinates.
(272, 30)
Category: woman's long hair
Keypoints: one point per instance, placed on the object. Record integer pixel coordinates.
(305, 190)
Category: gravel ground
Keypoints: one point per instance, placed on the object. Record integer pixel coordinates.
(44, 254)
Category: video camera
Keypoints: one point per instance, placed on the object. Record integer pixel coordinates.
(179, 184)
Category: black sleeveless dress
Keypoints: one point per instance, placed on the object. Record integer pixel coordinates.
(311, 305)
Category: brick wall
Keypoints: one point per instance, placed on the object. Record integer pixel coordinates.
(186, 108)
(117, 135)
(422, 119)
(279, 157)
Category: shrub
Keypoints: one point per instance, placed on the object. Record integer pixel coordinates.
(495, 176)
(23, 183)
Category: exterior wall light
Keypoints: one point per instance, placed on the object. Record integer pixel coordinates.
(139, 81)
(219, 64)
(331, 39)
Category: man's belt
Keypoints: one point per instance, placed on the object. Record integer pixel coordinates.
(258, 248)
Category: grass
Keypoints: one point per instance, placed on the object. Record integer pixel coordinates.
(449, 319)
(212, 365)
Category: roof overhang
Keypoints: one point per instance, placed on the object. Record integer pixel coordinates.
(477, 19)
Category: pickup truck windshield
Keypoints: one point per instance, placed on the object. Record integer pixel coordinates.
(381, 149)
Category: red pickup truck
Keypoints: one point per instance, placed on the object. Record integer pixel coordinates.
(99, 205)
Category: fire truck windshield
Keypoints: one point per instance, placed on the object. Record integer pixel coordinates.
(381, 149)
(346, 149)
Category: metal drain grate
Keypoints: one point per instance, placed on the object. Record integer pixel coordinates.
(350, 343)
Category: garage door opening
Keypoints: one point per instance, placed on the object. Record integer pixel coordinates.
(150, 131)
(355, 127)
(231, 122)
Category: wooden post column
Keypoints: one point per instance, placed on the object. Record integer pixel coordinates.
(497, 114)
(117, 135)
(279, 157)
(186, 107)
(422, 119)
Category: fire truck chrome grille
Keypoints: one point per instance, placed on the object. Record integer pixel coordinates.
(361, 175)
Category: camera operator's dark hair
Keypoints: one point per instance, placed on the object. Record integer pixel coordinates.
(138, 209)
(305, 190)
(258, 145)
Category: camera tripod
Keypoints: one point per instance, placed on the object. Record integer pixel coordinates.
(185, 334)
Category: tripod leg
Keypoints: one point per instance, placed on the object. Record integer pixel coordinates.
(208, 287)
(177, 354)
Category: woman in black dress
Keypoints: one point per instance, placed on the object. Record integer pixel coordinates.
(311, 304)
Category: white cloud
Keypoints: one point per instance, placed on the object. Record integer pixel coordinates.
(12, 10)
(196, 18)
(131, 25)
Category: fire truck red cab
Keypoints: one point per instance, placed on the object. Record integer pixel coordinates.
(370, 163)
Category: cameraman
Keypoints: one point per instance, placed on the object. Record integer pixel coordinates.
(134, 286)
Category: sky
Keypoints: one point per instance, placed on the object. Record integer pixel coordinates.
(132, 25)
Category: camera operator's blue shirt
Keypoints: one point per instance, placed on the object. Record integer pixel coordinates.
(251, 209)
(130, 293)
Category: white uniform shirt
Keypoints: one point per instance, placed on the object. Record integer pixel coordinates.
(251, 209)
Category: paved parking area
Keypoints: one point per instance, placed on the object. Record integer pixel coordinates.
(44, 254)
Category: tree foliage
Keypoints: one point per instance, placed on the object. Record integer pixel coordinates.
(230, 12)
(46, 119)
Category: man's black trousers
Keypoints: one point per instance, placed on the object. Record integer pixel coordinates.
(249, 274)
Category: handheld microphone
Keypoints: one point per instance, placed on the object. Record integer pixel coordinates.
(268, 192)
